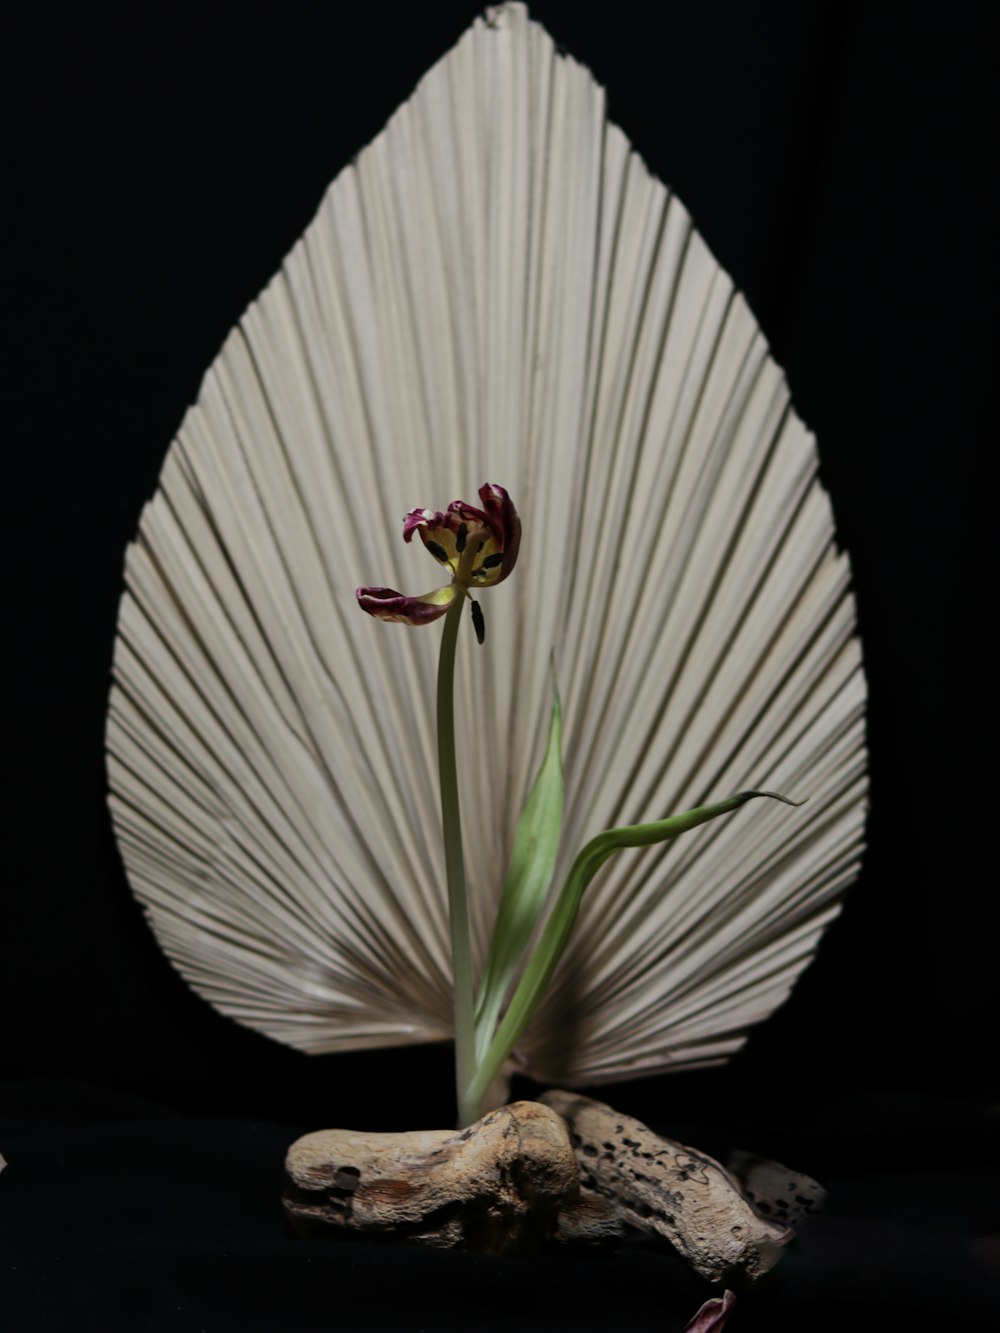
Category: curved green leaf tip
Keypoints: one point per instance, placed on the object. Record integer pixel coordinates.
(556, 932)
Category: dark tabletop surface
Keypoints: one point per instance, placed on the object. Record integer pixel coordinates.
(117, 1214)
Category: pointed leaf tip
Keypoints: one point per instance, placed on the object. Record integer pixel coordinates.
(774, 796)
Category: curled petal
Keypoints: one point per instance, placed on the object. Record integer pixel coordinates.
(478, 546)
(505, 523)
(387, 604)
(712, 1315)
(420, 519)
(440, 533)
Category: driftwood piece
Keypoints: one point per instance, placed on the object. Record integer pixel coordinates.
(566, 1168)
(633, 1178)
(495, 1187)
(774, 1191)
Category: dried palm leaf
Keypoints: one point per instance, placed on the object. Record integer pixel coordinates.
(496, 289)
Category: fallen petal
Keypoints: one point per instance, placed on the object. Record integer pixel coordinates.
(713, 1315)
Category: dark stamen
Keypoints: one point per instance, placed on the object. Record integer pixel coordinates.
(460, 536)
(478, 623)
(493, 560)
(438, 552)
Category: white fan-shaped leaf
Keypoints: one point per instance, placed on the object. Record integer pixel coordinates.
(496, 290)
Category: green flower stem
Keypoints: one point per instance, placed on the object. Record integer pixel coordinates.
(454, 860)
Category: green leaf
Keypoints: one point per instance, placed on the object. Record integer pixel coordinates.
(532, 864)
(557, 929)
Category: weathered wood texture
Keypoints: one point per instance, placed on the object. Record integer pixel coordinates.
(631, 1177)
(495, 1187)
(565, 1168)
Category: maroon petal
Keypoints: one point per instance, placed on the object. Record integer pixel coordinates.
(387, 604)
(422, 518)
(713, 1314)
(504, 520)
(493, 534)
(460, 512)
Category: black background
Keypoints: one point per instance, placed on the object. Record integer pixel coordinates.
(162, 159)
